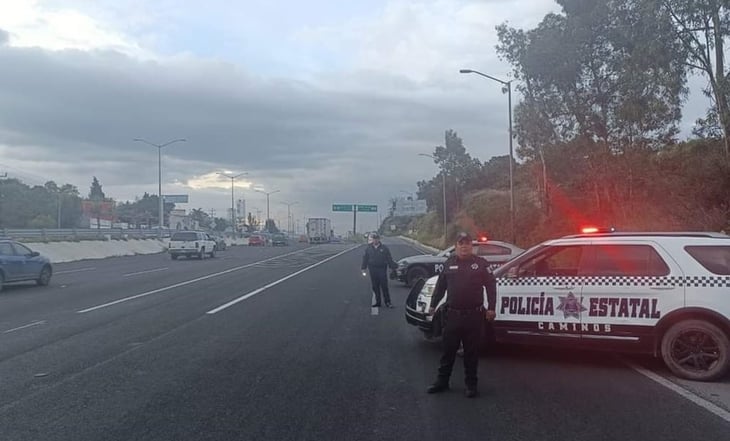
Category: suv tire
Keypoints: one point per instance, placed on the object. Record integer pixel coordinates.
(415, 274)
(696, 350)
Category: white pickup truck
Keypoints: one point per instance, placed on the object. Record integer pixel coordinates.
(191, 243)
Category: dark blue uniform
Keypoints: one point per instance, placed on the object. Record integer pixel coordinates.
(377, 260)
(465, 280)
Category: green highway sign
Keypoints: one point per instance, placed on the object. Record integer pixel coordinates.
(368, 208)
(341, 207)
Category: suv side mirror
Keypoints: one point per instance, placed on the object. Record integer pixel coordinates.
(34, 254)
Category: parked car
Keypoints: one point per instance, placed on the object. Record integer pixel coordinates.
(664, 294)
(413, 268)
(18, 263)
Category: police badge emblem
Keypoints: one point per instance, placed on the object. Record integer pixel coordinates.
(571, 306)
(474, 266)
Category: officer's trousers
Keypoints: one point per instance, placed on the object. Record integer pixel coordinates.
(379, 279)
(462, 327)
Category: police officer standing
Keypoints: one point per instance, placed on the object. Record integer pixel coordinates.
(464, 275)
(377, 259)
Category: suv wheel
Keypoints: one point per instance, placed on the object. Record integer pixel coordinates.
(415, 274)
(696, 350)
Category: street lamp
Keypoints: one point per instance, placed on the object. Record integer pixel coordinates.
(508, 88)
(443, 179)
(233, 208)
(268, 193)
(159, 175)
(288, 215)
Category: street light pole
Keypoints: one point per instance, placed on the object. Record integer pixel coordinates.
(233, 207)
(268, 206)
(443, 179)
(508, 86)
(159, 176)
(288, 215)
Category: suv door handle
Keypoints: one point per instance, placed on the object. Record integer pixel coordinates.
(662, 288)
(564, 288)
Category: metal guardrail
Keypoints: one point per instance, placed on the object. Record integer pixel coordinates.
(75, 234)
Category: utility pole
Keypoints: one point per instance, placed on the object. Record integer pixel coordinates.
(159, 177)
(288, 215)
(233, 204)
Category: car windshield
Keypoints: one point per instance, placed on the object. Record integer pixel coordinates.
(200, 183)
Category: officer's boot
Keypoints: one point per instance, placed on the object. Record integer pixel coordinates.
(441, 385)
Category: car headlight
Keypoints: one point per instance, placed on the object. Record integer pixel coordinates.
(402, 264)
(427, 290)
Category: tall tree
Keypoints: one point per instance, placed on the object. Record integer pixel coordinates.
(606, 75)
(95, 192)
(702, 27)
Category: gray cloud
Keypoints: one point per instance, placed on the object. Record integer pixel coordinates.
(75, 113)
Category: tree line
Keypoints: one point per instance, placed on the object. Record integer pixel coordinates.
(602, 88)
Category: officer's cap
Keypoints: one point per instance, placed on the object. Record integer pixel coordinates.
(463, 237)
(375, 236)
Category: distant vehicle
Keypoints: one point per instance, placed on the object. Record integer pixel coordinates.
(256, 240)
(319, 230)
(18, 263)
(279, 239)
(303, 239)
(411, 269)
(191, 243)
(220, 242)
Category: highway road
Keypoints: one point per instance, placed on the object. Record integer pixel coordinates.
(282, 344)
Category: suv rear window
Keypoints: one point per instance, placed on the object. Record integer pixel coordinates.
(187, 236)
(714, 258)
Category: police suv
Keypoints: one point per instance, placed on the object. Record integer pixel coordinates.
(666, 294)
(414, 268)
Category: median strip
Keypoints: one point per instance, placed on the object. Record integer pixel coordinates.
(272, 284)
(187, 282)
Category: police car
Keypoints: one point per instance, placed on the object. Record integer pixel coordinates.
(666, 294)
(414, 268)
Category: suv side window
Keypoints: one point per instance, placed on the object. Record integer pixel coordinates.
(562, 261)
(626, 260)
(715, 258)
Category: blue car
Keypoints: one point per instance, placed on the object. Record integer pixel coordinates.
(19, 263)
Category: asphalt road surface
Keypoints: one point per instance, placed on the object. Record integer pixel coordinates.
(282, 344)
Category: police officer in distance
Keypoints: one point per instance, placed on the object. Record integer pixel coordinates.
(377, 259)
(464, 275)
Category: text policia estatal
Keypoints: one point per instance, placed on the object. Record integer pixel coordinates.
(543, 305)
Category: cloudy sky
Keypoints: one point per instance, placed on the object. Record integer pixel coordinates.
(328, 101)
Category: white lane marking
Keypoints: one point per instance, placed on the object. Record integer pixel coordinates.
(705, 404)
(272, 284)
(187, 282)
(144, 272)
(73, 271)
(36, 323)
